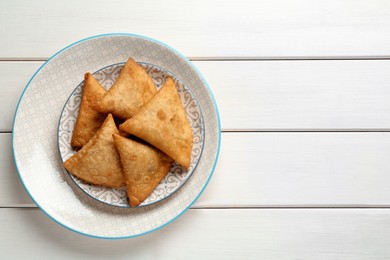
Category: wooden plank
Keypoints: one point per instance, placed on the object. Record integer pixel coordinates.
(269, 95)
(301, 95)
(216, 29)
(275, 170)
(212, 234)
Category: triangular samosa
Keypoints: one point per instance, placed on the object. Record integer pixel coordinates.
(163, 122)
(144, 167)
(130, 91)
(98, 161)
(88, 120)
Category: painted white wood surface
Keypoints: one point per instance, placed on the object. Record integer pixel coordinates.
(212, 234)
(212, 29)
(275, 170)
(269, 95)
(235, 218)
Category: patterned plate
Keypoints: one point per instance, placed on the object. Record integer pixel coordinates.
(35, 132)
(176, 177)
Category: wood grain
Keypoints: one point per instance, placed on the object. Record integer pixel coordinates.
(269, 95)
(208, 29)
(275, 170)
(302, 65)
(212, 234)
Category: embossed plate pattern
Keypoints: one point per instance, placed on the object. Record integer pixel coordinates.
(35, 146)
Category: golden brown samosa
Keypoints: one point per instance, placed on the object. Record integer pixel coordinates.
(88, 120)
(98, 161)
(130, 91)
(144, 167)
(163, 122)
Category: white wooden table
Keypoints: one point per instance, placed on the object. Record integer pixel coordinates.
(303, 89)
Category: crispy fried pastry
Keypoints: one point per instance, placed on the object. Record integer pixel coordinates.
(163, 122)
(98, 161)
(88, 120)
(130, 91)
(144, 167)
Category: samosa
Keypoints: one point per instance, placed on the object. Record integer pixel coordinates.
(163, 122)
(144, 167)
(88, 120)
(130, 91)
(98, 161)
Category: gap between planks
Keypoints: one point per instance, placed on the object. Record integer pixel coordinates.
(340, 207)
(319, 58)
(309, 131)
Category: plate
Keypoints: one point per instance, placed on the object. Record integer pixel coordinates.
(177, 175)
(35, 146)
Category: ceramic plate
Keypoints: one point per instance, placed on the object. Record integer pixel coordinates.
(177, 175)
(35, 131)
